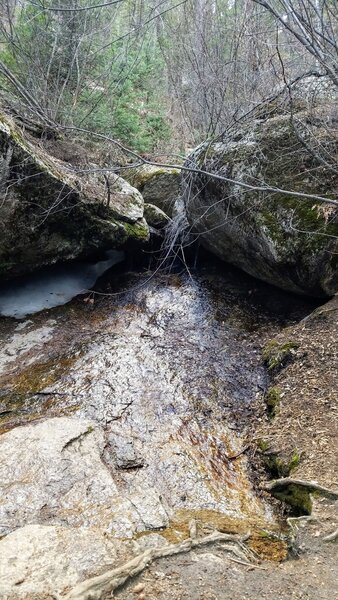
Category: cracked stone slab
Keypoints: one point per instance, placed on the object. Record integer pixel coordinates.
(150, 446)
(53, 470)
(21, 342)
(39, 560)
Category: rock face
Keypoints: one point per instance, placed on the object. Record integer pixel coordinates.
(48, 213)
(52, 462)
(287, 241)
(158, 186)
(114, 429)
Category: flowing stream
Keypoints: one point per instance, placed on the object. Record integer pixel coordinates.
(127, 416)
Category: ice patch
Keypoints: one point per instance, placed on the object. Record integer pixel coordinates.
(54, 286)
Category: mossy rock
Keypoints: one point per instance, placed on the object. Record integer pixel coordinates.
(289, 241)
(155, 217)
(296, 496)
(50, 214)
(159, 186)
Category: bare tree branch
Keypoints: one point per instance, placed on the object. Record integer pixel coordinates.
(211, 175)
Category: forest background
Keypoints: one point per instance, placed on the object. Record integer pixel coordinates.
(159, 75)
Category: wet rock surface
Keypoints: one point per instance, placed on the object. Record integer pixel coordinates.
(128, 418)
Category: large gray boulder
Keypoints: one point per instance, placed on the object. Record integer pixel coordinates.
(48, 213)
(288, 241)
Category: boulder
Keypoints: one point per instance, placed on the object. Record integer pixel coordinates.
(285, 240)
(50, 213)
(159, 186)
(155, 217)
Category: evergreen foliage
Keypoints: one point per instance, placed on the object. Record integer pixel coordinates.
(63, 60)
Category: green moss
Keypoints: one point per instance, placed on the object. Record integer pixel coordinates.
(263, 445)
(273, 228)
(278, 465)
(272, 400)
(136, 231)
(310, 227)
(277, 355)
(312, 223)
(294, 461)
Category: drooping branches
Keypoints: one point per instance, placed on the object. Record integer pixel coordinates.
(314, 24)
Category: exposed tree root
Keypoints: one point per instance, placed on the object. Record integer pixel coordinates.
(293, 522)
(96, 587)
(297, 493)
(333, 537)
(310, 486)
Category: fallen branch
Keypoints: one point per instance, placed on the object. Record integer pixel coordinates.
(95, 587)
